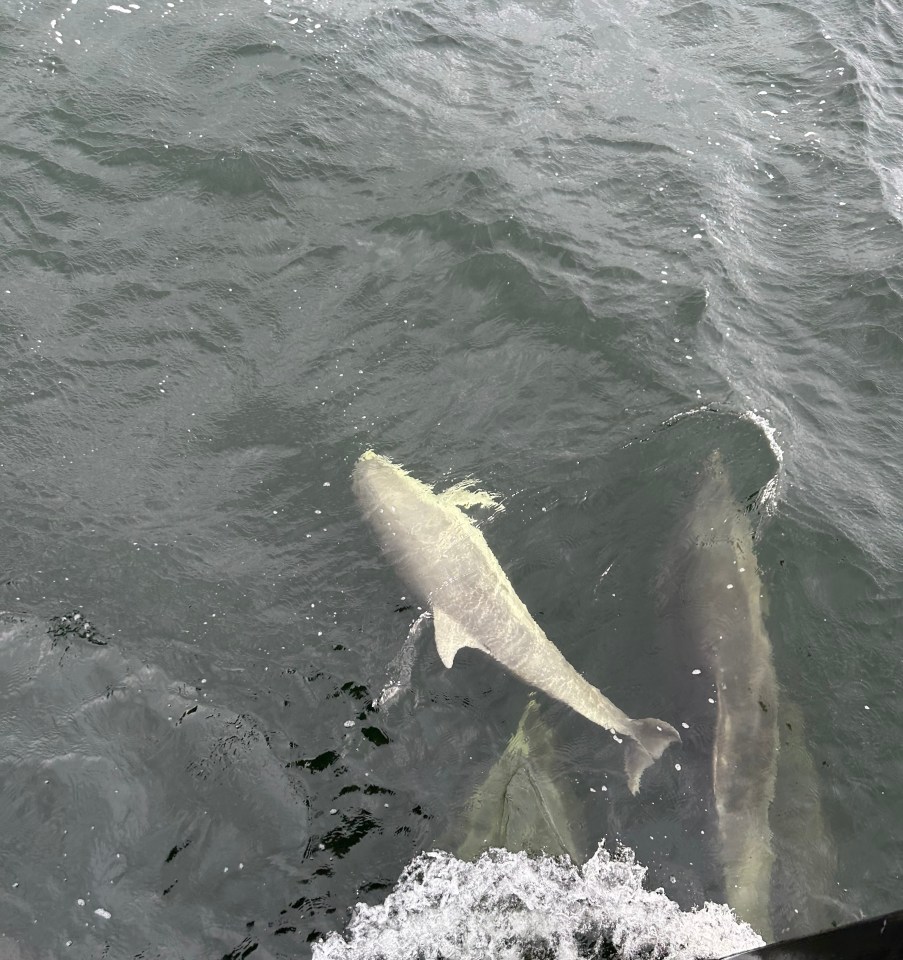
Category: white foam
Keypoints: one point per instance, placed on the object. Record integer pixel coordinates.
(768, 495)
(706, 408)
(770, 432)
(508, 905)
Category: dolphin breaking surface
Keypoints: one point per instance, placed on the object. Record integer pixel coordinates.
(443, 557)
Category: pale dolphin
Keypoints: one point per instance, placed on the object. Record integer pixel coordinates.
(443, 557)
(714, 580)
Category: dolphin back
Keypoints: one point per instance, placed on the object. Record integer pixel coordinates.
(442, 556)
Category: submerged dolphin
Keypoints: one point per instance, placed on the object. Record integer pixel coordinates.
(715, 584)
(520, 805)
(442, 556)
(804, 885)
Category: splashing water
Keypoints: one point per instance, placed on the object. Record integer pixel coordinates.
(509, 905)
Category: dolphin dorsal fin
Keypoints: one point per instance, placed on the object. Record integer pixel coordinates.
(451, 636)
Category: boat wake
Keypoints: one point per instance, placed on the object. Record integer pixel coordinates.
(511, 905)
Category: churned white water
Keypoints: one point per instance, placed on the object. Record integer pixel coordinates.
(510, 905)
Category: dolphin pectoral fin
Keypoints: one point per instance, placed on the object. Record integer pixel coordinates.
(649, 740)
(451, 636)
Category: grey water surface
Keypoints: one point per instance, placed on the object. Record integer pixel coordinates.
(567, 248)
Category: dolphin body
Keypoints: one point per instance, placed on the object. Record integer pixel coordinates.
(804, 885)
(521, 805)
(715, 599)
(443, 557)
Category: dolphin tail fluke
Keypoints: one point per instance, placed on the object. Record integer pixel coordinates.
(649, 740)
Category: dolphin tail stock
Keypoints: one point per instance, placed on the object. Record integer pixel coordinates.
(649, 738)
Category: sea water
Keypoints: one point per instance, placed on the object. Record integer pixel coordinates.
(566, 248)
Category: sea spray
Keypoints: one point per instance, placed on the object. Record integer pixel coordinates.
(510, 905)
